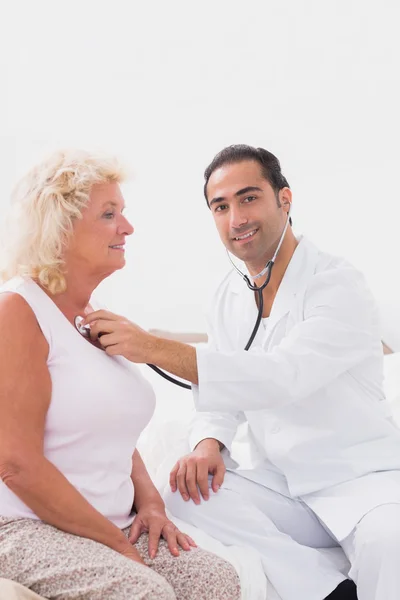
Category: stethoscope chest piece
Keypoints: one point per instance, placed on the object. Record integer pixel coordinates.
(83, 329)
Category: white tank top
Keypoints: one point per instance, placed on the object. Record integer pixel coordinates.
(99, 406)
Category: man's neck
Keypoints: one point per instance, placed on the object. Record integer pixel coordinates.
(283, 259)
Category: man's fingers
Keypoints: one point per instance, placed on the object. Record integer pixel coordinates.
(181, 481)
(115, 350)
(109, 339)
(191, 480)
(172, 477)
(100, 314)
(202, 477)
(154, 539)
(101, 327)
(218, 478)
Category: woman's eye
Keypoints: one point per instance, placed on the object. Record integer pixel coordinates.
(108, 215)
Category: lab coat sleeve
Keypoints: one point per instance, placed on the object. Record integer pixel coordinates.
(340, 329)
(219, 425)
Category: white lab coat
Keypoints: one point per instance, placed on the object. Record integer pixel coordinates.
(310, 389)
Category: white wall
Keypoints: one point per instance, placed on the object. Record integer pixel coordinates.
(168, 84)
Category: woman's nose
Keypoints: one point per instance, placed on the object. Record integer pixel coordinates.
(125, 227)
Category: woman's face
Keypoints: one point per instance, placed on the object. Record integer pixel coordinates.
(98, 241)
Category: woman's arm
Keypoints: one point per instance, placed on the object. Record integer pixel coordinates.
(25, 393)
(151, 516)
(146, 493)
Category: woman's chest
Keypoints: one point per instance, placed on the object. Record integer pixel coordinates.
(93, 391)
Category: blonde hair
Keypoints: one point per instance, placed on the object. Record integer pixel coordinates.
(44, 205)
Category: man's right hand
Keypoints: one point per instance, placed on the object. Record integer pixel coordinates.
(190, 474)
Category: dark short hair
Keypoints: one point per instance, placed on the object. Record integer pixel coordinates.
(270, 165)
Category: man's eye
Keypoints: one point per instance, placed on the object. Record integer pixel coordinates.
(108, 215)
(221, 207)
(249, 198)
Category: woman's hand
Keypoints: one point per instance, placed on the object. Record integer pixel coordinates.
(119, 336)
(131, 553)
(152, 519)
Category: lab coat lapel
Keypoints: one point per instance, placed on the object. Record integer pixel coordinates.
(245, 313)
(295, 279)
(298, 273)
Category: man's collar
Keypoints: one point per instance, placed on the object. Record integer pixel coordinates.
(297, 275)
(299, 269)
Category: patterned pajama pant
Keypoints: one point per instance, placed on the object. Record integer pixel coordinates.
(61, 566)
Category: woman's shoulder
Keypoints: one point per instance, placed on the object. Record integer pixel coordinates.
(15, 312)
(19, 327)
(12, 302)
(13, 298)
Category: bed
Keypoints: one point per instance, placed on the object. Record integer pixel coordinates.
(164, 441)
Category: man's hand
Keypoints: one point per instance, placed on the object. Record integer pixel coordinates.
(154, 521)
(191, 472)
(119, 336)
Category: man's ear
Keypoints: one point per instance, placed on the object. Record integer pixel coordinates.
(286, 198)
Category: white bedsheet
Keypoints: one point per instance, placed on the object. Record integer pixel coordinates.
(165, 440)
(169, 444)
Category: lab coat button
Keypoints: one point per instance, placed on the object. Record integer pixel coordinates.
(275, 429)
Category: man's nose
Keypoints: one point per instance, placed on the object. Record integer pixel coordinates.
(238, 218)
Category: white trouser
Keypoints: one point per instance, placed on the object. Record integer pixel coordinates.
(373, 549)
(284, 531)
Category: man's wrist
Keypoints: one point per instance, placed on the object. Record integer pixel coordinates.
(150, 348)
(175, 357)
(210, 443)
(157, 348)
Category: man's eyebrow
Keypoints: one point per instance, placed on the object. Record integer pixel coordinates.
(249, 188)
(216, 200)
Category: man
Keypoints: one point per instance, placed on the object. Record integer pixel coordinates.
(327, 466)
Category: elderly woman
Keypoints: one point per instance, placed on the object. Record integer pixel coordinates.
(79, 515)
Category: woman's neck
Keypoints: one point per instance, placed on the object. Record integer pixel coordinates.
(76, 298)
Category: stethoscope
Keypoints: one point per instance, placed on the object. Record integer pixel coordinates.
(84, 330)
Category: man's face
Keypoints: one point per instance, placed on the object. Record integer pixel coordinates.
(246, 212)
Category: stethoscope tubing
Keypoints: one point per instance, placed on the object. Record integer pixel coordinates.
(254, 288)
